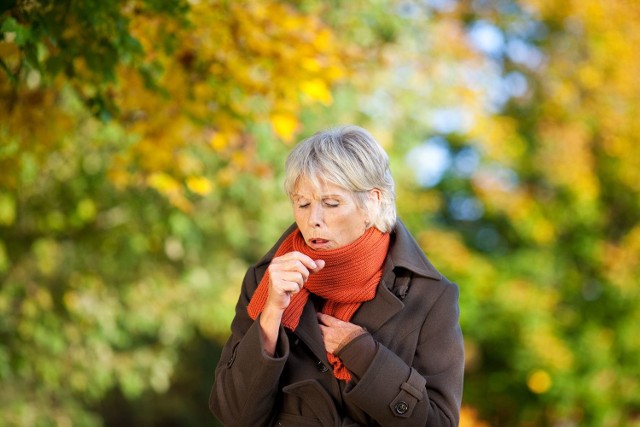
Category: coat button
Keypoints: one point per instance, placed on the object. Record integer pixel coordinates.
(321, 366)
(401, 408)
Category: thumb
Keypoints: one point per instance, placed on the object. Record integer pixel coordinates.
(319, 265)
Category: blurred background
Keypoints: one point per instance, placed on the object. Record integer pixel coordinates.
(142, 145)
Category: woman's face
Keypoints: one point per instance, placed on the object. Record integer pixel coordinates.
(328, 216)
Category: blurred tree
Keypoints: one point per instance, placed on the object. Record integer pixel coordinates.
(538, 209)
(175, 75)
(138, 142)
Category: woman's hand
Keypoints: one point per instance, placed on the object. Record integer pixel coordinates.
(337, 333)
(287, 275)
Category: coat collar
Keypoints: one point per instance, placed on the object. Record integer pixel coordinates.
(406, 253)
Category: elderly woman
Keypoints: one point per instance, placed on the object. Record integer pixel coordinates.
(344, 322)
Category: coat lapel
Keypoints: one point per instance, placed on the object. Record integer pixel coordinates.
(375, 313)
(371, 315)
(309, 332)
(404, 253)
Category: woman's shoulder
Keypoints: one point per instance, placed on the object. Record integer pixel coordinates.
(412, 268)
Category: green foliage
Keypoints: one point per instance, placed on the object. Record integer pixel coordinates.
(544, 310)
(103, 287)
(84, 41)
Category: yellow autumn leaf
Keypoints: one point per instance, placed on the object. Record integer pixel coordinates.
(323, 40)
(199, 185)
(539, 382)
(334, 72)
(219, 141)
(239, 159)
(469, 418)
(7, 209)
(316, 90)
(284, 125)
(542, 231)
(310, 64)
(163, 182)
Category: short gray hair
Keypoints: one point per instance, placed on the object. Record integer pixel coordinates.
(351, 158)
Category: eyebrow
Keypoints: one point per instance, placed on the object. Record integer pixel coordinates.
(324, 196)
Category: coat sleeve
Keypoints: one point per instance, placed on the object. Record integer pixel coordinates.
(246, 378)
(427, 392)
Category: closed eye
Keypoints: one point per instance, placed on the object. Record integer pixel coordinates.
(331, 203)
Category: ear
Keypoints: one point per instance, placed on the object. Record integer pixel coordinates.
(374, 202)
(375, 195)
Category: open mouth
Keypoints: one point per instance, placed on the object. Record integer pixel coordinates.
(318, 241)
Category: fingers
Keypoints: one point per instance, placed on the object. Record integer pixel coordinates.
(290, 276)
(337, 333)
(328, 320)
(287, 276)
(295, 262)
(319, 265)
(293, 277)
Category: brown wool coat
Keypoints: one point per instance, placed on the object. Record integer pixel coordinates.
(415, 378)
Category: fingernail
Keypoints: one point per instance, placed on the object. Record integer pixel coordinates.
(315, 265)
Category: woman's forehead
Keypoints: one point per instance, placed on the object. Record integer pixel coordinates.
(317, 187)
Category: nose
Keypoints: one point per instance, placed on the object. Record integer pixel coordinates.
(315, 215)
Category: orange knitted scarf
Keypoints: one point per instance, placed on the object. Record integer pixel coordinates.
(350, 277)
